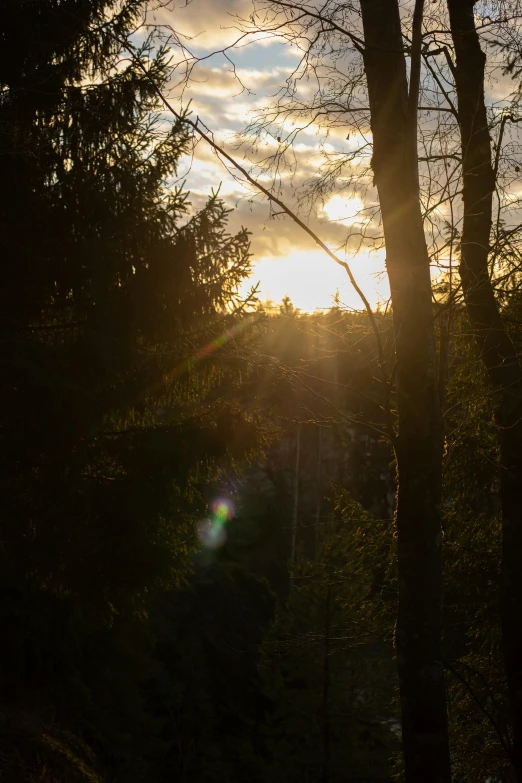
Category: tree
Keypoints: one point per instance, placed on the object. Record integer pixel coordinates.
(106, 304)
(497, 350)
(393, 111)
(477, 692)
(117, 419)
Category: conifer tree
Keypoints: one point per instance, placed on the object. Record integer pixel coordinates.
(116, 414)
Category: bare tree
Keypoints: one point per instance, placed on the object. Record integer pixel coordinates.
(496, 347)
(393, 113)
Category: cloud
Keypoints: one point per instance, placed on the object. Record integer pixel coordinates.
(208, 25)
(205, 24)
(225, 80)
(226, 97)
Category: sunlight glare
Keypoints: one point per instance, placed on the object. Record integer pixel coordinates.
(343, 210)
(311, 279)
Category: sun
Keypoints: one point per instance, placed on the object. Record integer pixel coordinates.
(311, 279)
(344, 210)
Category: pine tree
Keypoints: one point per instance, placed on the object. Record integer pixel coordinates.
(117, 416)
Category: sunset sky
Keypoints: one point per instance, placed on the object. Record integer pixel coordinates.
(233, 77)
(286, 260)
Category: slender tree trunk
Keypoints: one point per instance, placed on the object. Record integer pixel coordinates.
(318, 492)
(511, 602)
(295, 510)
(326, 690)
(496, 347)
(419, 444)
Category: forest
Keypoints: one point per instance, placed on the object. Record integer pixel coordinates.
(245, 541)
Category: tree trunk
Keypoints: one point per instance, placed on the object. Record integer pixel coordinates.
(318, 492)
(326, 690)
(295, 509)
(496, 347)
(419, 442)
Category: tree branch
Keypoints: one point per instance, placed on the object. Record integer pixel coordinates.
(284, 208)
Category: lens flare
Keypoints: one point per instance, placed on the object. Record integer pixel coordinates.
(211, 532)
(223, 509)
(210, 348)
